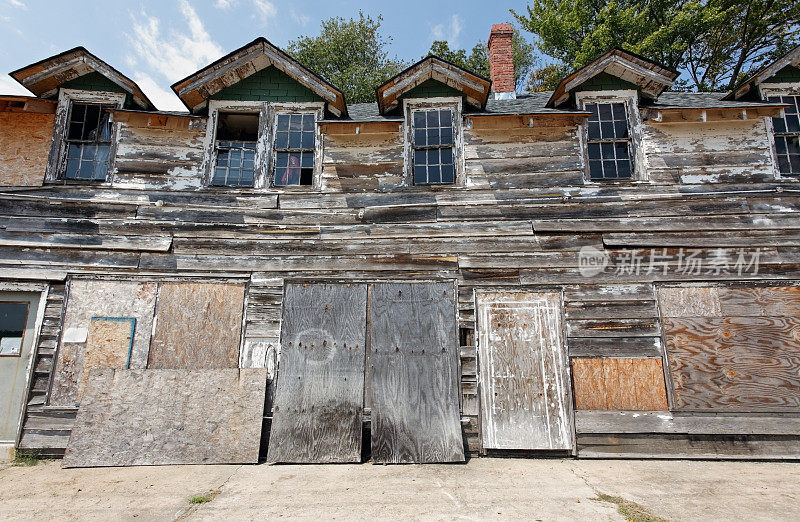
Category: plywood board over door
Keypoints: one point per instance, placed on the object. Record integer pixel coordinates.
(320, 390)
(197, 326)
(523, 373)
(414, 373)
(98, 298)
(738, 352)
(149, 417)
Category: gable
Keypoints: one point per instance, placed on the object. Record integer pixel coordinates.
(437, 77)
(240, 65)
(78, 69)
(615, 70)
(785, 69)
(269, 84)
(789, 74)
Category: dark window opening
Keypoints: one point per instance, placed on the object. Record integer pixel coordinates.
(295, 136)
(609, 142)
(235, 146)
(88, 142)
(13, 317)
(787, 135)
(433, 155)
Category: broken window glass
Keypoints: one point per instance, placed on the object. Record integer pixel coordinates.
(13, 317)
(787, 135)
(433, 157)
(609, 143)
(235, 147)
(295, 135)
(88, 142)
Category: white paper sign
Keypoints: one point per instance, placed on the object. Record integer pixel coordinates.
(76, 335)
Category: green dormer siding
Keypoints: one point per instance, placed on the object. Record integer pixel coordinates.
(788, 74)
(95, 81)
(606, 82)
(432, 89)
(269, 84)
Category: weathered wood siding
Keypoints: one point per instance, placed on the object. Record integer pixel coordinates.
(524, 378)
(319, 400)
(518, 223)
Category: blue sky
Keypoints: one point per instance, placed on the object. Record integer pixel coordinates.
(159, 42)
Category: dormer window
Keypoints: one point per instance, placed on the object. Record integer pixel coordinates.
(787, 135)
(235, 149)
(433, 146)
(294, 149)
(609, 142)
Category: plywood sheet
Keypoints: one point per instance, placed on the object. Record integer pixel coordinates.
(766, 301)
(96, 298)
(414, 374)
(619, 384)
(319, 398)
(108, 345)
(523, 374)
(734, 363)
(197, 326)
(146, 417)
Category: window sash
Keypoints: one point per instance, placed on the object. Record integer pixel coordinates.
(433, 151)
(13, 336)
(87, 159)
(234, 170)
(294, 145)
(786, 131)
(609, 153)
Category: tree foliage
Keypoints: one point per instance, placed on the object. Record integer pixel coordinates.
(713, 43)
(351, 54)
(477, 60)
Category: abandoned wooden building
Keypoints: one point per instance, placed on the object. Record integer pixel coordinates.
(609, 269)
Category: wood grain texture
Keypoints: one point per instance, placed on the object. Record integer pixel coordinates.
(197, 326)
(755, 301)
(734, 363)
(96, 298)
(414, 374)
(108, 345)
(148, 417)
(320, 390)
(619, 384)
(523, 374)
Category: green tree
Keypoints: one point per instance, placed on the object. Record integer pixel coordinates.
(350, 54)
(477, 61)
(714, 43)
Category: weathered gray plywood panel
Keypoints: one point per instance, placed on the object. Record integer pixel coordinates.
(108, 345)
(95, 298)
(197, 326)
(414, 374)
(320, 390)
(147, 417)
(523, 374)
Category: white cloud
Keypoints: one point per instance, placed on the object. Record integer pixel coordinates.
(225, 4)
(264, 10)
(9, 85)
(177, 54)
(300, 18)
(164, 99)
(18, 4)
(448, 32)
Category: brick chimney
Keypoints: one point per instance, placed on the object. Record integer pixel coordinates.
(501, 62)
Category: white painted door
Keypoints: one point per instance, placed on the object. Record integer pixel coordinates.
(523, 375)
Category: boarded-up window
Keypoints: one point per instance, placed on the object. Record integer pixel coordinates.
(733, 348)
(197, 326)
(619, 384)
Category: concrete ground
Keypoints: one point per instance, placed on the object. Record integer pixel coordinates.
(485, 488)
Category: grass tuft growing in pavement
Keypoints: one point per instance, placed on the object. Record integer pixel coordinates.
(632, 511)
(202, 499)
(26, 458)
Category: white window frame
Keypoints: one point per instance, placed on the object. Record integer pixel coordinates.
(777, 89)
(631, 100)
(56, 162)
(264, 157)
(452, 103)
